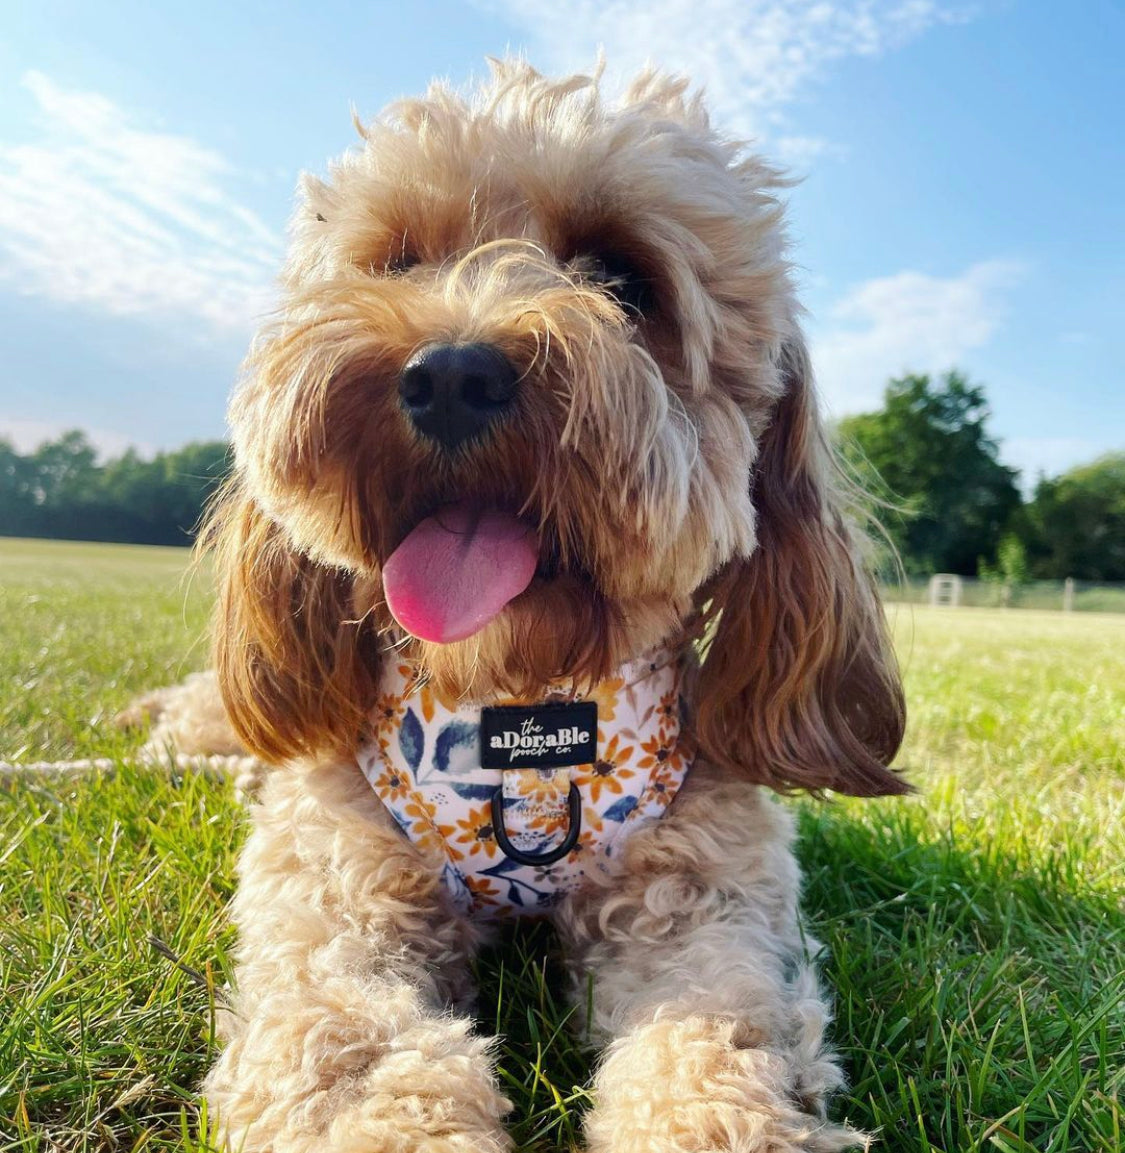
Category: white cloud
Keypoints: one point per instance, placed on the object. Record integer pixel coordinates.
(753, 56)
(27, 435)
(909, 321)
(103, 213)
(799, 152)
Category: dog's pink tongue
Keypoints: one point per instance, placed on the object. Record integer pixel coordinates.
(457, 570)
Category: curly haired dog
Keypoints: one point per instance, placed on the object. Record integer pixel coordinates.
(535, 424)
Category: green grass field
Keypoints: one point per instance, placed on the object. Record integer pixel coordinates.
(975, 934)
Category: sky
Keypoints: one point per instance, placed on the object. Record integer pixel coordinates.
(962, 200)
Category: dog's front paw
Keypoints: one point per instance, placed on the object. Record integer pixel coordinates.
(688, 1087)
(312, 1084)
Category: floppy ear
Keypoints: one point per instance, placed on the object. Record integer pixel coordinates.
(295, 665)
(799, 687)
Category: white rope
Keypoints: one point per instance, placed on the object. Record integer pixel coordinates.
(228, 765)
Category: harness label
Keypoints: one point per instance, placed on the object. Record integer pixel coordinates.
(546, 736)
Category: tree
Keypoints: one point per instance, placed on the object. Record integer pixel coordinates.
(927, 453)
(1009, 574)
(65, 469)
(16, 504)
(1075, 525)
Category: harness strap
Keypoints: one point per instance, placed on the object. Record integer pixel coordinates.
(465, 782)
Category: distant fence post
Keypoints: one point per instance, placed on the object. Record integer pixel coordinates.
(945, 589)
(1068, 595)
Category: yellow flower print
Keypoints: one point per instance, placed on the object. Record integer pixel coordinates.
(662, 789)
(554, 823)
(607, 694)
(483, 890)
(393, 784)
(387, 714)
(543, 787)
(421, 814)
(447, 844)
(608, 771)
(477, 831)
(592, 828)
(668, 710)
(657, 750)
(429, 841)
(426, 830)
(428, 697)
(667, 778)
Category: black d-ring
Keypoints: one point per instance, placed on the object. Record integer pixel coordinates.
(574, 808)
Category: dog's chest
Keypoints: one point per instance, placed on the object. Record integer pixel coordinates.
(524, 800)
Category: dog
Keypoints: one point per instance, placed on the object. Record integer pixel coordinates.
(536, 574)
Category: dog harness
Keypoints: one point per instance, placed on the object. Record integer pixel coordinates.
(523, 800)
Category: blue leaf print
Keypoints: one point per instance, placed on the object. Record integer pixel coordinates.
(411, 739)
(403, 820)
(457, 735)
(619, 810)
(457, 887)
(473, 792)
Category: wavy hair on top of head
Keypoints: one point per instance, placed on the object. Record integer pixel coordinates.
(294, 649)
(799, 687)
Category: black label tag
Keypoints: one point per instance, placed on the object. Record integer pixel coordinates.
(539, 736)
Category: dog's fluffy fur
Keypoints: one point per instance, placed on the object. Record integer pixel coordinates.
(674, 463)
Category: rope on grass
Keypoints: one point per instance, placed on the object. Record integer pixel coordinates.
(187, 762)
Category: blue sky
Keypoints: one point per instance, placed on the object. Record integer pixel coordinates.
(963, 201)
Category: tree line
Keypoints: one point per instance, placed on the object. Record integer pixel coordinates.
(934, 477)
(61, 490)
(926, 460)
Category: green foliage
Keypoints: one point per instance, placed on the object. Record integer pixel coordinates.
(928, 455)
(1010, 572)
(60, 490)
(1075, 525)
(975, 935)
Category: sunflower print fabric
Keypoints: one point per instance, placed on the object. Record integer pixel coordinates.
(422, 757)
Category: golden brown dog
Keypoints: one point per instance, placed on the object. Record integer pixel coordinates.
(544, 310)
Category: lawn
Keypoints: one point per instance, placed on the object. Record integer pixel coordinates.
(975, 934)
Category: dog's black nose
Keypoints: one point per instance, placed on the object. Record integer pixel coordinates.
(452, 392)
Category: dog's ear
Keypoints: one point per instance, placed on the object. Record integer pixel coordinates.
(799, 687)
(295, 665)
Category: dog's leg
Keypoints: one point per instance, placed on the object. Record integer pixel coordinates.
(696, 973)
(186, 718)
(347, 1031)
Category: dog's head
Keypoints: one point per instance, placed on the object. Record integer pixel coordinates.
(538, 391)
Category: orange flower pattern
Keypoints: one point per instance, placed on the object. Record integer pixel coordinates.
(422, 758)
(609, 772)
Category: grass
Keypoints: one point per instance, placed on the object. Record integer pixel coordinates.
(975, 935)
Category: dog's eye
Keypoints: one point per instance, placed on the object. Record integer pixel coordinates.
(622, 278)
(400, 259)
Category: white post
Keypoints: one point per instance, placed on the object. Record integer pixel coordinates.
(1068, 595)
(945, 589)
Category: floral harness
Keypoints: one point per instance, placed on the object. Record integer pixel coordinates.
(493, 788)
